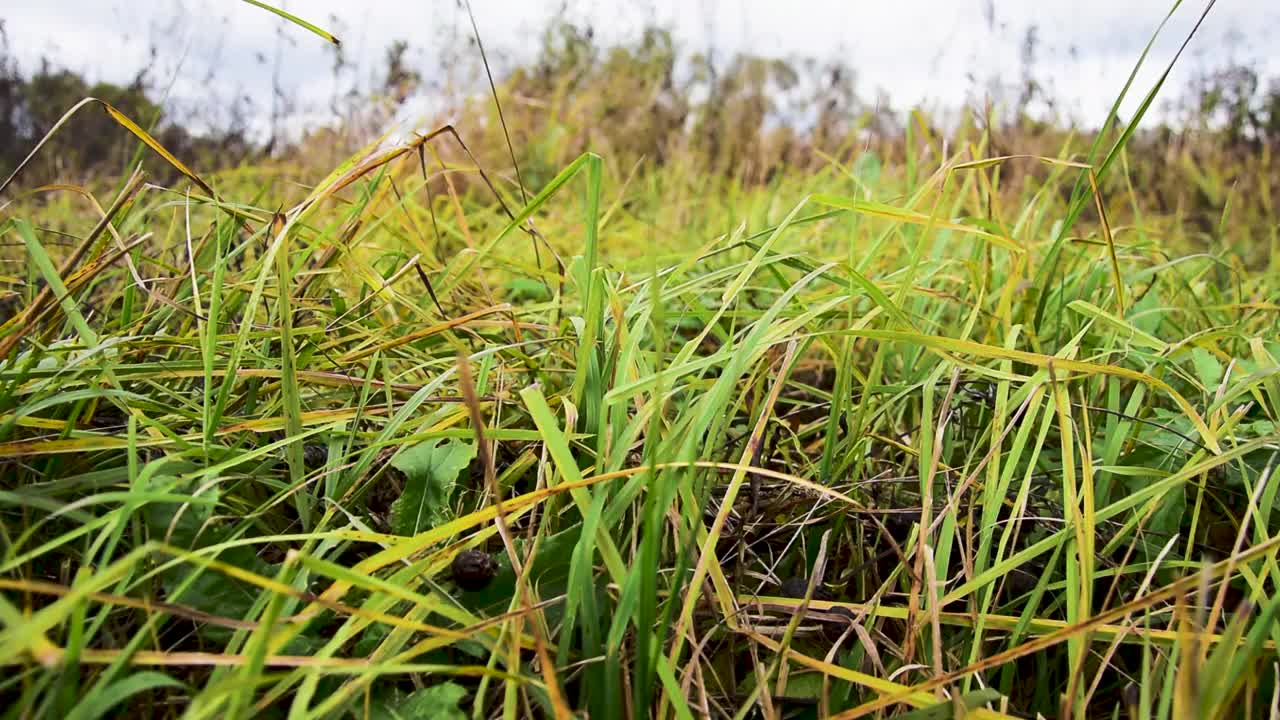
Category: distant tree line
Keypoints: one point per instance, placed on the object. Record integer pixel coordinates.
(92, 143)
(742, 115)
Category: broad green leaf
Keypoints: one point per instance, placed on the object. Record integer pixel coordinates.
(438, 702)
(1208, 369)
(945, 711)
(431, 469)
(526, 290)
(549, 571)
(99, 704)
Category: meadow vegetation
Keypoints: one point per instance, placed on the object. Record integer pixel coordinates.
(860, 415)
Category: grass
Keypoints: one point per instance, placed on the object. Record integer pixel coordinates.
(885, 439)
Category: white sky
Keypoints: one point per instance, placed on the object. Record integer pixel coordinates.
(933, 51)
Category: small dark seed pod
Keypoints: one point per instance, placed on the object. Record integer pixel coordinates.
(314, 455)
(796, 587)
(473, 569)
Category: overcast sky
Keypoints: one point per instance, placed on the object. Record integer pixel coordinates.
(939, 52)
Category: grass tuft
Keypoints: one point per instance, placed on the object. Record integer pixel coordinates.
(845, 443)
